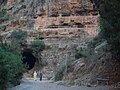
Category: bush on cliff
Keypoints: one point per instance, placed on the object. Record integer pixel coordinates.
(19, 36)
(59, 72)
(110, 25)
(38, 45)
(11, 68)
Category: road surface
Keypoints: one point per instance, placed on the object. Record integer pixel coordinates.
(29, 84)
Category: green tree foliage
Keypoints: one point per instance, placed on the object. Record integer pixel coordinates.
(4, 16)
(14, 47)
(19, 35)
(38, 45)
(18, 38)
(11, 69)
(110, 25)
(2, 13)
(63, 69)
(78, 55)
(3, 75)
(11, 66)
(59, 72)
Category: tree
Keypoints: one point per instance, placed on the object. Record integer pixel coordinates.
(18, 39)
(11, 65)
(110, 25)
(37, 47)
(3, 76)
(11, 68)
(19, 35)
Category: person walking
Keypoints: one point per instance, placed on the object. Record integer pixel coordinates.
(35, 75)
(40, 75)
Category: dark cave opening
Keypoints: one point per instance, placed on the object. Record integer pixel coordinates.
(28, 58)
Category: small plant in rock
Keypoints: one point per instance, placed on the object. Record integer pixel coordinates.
(19, 35)
(79, 55)
(38, 45)
(2, 13)
(59, 72)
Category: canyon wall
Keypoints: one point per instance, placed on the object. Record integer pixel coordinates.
(66, 26)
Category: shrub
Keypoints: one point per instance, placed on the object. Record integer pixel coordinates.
(2, 13)
(11, 69)
(110, 25)
(15, 47)
(38, 45)
(79, 55)
(3, 76)
(59, 72)
(5, 18)
(19, 35)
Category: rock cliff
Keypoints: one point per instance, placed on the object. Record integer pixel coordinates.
(66, 26)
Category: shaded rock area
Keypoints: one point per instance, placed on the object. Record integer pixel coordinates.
(2, 1)
(29, 59)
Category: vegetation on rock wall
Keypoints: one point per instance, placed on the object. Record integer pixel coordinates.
(18, 40)
(98, 60)
(19, 35)
(4, 16)
(38, 45)
(110, 25)
(2, 12)
(11, 67)
(60, 71)
(79, 54)
(110, 32)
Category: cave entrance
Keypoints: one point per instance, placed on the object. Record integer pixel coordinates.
(32, 63)
(28, 58)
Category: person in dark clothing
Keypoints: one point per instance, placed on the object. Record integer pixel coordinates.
(41, 75)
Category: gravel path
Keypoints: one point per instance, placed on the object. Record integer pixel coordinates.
(28, 84)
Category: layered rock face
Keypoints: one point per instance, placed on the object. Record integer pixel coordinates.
(65, 25)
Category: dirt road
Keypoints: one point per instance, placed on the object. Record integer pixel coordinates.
(29, 84)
